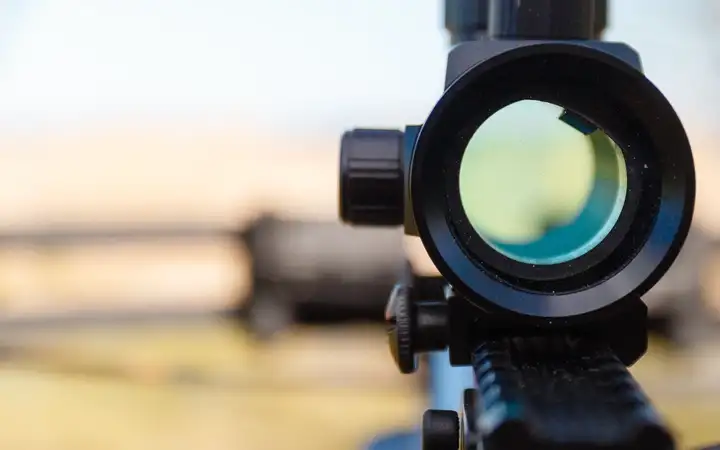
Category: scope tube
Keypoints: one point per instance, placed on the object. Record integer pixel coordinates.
(542, 19)
(466, 20)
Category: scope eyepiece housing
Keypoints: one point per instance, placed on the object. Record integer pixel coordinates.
(415, 177)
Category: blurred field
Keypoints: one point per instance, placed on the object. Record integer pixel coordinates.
(208, 385)
(201, 385)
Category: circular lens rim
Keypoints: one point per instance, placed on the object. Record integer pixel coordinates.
(570, 275)
(663, 199)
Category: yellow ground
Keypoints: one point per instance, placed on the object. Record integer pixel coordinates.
(209, 386)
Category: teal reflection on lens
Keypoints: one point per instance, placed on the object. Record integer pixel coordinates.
(538, 189)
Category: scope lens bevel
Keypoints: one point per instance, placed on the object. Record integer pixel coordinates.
(620, 100)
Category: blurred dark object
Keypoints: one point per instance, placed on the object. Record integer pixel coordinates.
(318, 273)
(324, 272)
(308, 272)
(88, 234)
(678, 309)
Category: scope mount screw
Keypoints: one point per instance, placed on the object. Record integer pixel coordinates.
(440, 430)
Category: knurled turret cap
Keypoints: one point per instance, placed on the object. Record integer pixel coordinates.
(371, 177)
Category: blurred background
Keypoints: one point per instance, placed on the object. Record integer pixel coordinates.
(172, 275)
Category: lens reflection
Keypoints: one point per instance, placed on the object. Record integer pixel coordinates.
(538, 189)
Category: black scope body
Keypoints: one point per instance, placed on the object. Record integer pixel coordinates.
(548, 314)
(411, 178)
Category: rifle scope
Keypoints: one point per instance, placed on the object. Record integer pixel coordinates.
(550, 180)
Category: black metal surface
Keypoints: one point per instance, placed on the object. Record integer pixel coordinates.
(440, 430)
(561, 392)
(600, 21)
(469, 20)
(622, 327)
(542, 19)
(466, 20)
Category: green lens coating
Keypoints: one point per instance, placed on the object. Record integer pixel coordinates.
(538, 189)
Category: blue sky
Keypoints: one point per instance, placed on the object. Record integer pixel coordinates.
(313, 65)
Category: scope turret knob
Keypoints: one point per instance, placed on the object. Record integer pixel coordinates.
(440, 430)
(399, 316)
(371, 177)
(414, 326)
